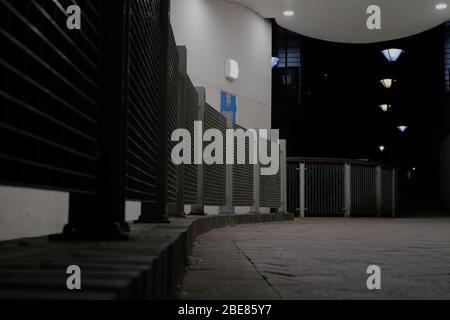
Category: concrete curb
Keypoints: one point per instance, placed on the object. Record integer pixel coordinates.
(150, 266)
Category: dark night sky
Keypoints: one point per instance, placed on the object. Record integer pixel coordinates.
(339, 116)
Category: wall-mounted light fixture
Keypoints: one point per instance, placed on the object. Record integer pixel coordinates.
(387, 83)
(382, 148)
(231, 70)
(392, 55)
(288, 13)
(275, 61)
(385, 107)
(402, 129)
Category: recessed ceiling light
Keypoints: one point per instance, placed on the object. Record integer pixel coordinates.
(288, 13)
(441, 6)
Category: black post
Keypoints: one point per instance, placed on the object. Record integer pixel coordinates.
(158, 212)
(182, 68)
(102, 216)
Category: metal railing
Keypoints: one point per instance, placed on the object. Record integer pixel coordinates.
(338, 187)
(97, 116)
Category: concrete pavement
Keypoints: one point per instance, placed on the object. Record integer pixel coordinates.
(322, 258)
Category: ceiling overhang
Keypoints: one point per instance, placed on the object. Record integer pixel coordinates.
(346, 20)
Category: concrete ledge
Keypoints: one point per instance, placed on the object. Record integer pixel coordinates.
(150, 266)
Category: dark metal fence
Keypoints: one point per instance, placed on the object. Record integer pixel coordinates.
(91, 112)
(143, 100)
(222, 185)
(214, 175)
(242, 173)
(191, 172)
(389, 185)
(293, 187)
(270, 196)
(49, 96)
(172, 116)
(334, 187)
(363, 185)
(81, 110)
(325, 184)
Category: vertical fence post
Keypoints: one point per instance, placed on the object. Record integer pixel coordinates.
(394, 192)
(102, 216)
(198, 209)
(256, 187)
(378, 190)
(283, 177)
(302, 189)
(182, 73)
(348, 189)
(229, 172)
(158, 212)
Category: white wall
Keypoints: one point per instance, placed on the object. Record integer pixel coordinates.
(214, 30)
(26, 213)
(31, 213)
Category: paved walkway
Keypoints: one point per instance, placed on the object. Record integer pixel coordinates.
(322, 259)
